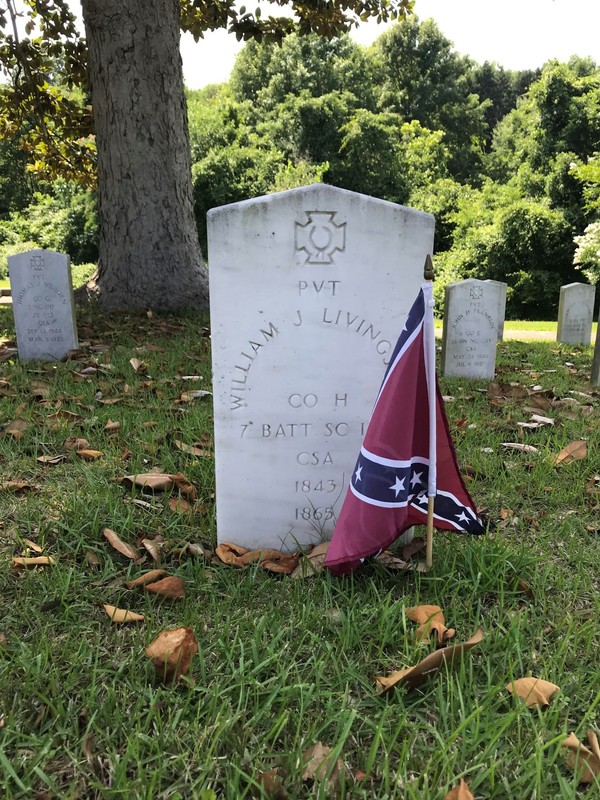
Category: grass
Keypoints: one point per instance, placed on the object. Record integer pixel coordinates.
(284, 664)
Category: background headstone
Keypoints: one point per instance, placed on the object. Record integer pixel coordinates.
(309, 290)
(595, 373)
(470, 333)
(42, 294)
(502, 306)
(575, 313)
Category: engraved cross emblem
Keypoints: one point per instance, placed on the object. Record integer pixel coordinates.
(318, 239)
(476, 292)
(37, 266)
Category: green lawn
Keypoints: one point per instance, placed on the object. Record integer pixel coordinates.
(284, 664)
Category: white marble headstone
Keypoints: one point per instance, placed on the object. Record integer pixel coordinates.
(470, 332)
(502, 307)
(309, 291)
(42, 295)
(575, 313)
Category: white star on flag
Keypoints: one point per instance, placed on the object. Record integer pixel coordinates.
(357, 475)
(398, 486)
(416, 478)
(462, 517)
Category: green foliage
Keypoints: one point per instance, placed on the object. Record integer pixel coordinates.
(292, 176)
(587, 255)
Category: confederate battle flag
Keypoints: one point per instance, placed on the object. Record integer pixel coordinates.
(407, 455)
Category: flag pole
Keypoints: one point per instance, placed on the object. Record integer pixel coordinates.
(428, 275)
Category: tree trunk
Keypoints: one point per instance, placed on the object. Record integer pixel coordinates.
(149, 250)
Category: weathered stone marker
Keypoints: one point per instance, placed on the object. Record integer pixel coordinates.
(470, 333)
(502, 307)
(42, 296)
(575, 313)
(595, 373)
(309, 291)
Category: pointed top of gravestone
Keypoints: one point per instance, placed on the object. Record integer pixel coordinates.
(428, 271)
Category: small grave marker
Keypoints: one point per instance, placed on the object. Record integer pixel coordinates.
(470, 333)
(42, 296)
(575, 313)
(309, 292)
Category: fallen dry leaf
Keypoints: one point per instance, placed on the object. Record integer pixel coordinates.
(125, 549)
(112, 428)
(189, 397)
(137, 365)
(172, 652)
(74, 443)
(230, 553)
(534, 691)
(146, 577)
(171, 587)
(15, 486)
(33, 561)
(160, 482)
(574, 451)
(32, 545)
(193, 449)
(430, 618)
(62, 414)
(319, 765)
(50, 459)
(154, 546)
(390, 561)
(523, 448)
(460, 792)
(312, 562)
(121, 614)
(179, 505)
(89, 455)
(16, 428)
(412, 677)
(583, 758)
(271, 783)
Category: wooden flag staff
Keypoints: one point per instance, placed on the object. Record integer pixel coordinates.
(428, 275)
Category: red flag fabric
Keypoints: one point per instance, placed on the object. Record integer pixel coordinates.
(407, 455)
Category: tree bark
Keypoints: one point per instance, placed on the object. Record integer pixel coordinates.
(149, 250)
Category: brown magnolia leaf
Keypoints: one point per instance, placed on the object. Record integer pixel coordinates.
(34, 561)
(154, 546)
(460, 792)
(89, 455)
(254, 556)
(271, 783)
(580, 757)
(574, 451)
(534, 691)
(172, 652)
(112, 428)
(412, 677)
(146, 577)
(430, 618)
(15, 486)
(281, 566)
(172, 587)
(189, 397)
(16, 428)
(125, 549)
(160, 482)
(312, 562)
(592, 487)
(513, 391)
(390, 561)
(92, 558)
(40, 389)
(48, 459)
(137, 365)
(75, 443)
(33, 545)
(193, 450)
(230, 553)
(109, 401)
(122, 614)
(318, 765)
(179, 505)
(63, 414)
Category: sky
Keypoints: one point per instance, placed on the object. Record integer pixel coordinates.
(517, 34)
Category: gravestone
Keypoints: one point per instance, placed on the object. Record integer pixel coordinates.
(309, 291)
(470, 332)
(42, 295)
(575, 313)
(595, 372)
(501, 307)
